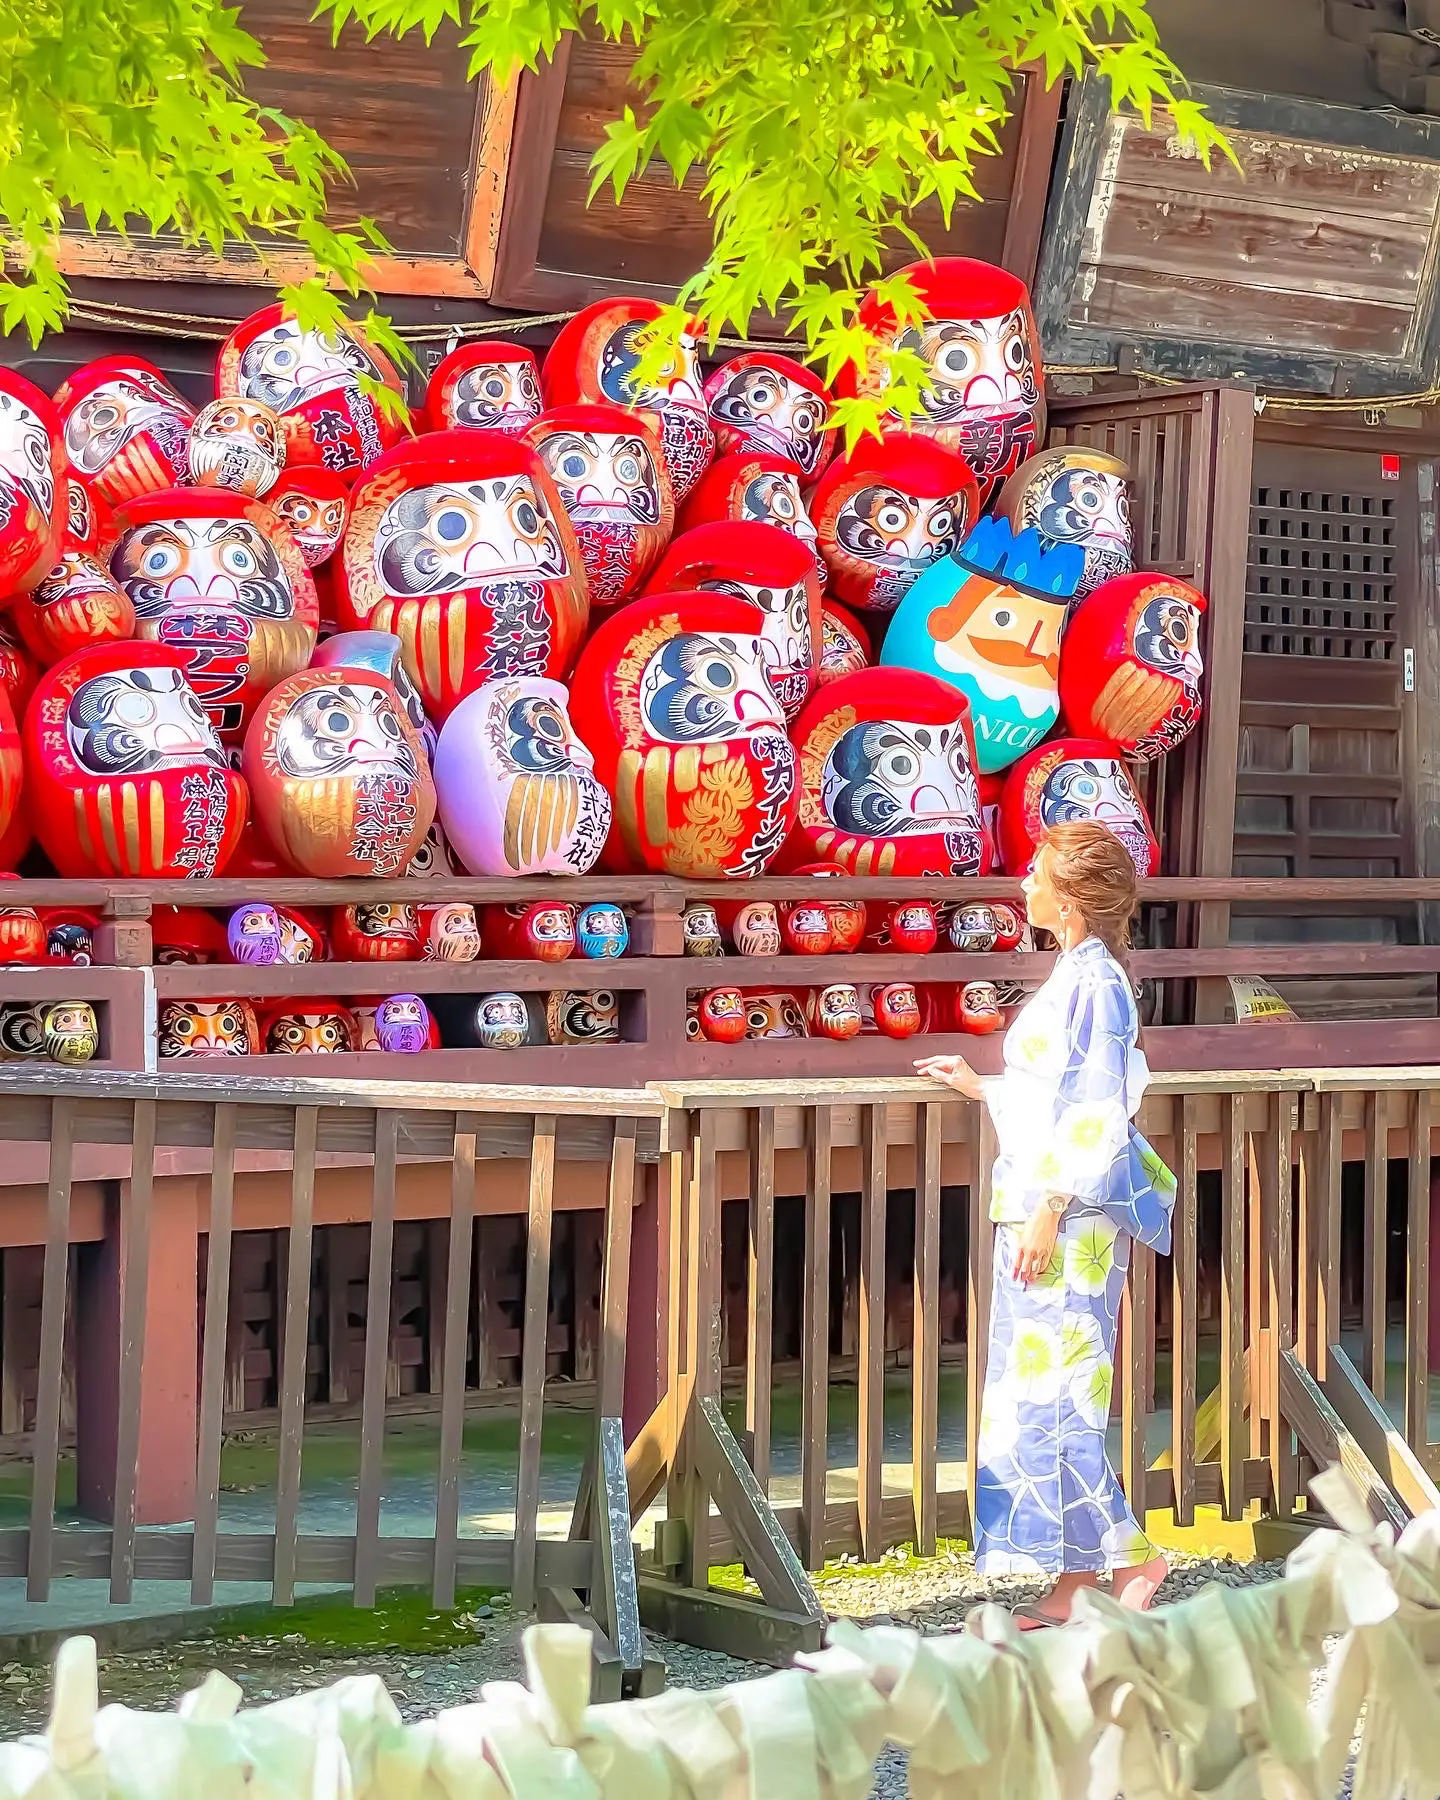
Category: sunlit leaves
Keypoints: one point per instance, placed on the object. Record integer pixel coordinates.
(131, 117)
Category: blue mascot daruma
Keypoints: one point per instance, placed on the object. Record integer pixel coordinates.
(988, 619)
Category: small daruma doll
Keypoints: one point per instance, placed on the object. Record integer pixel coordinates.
(1131, 667)
(486, 386)
(673, 697)
(610, 475)
(313, 505)
(1075, 495)
(450, 932)
(888, 509)
(402, 1024)
(127, 430)
(985, 397)
(988, 621)
(216, 576)
(834, 1011)
(601, 930)
(32, 484)
(339, 774)
(237, 444)
(208, 1028)
(596, 356)
(887, 782)
(722, 1016)
(517, 789)
(383, 931)
(458, 544)
(125, 774)
(753, 489)
(312, 380)
(253, 935)
(774, 572)
(309, 1028)
(78, 603)
(1067, 780)
(772, 405)
(844, 644)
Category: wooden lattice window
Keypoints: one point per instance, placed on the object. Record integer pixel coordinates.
(1321, 579)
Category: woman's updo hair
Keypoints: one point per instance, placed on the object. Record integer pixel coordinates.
(1092, 869)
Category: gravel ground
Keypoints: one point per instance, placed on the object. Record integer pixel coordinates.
(933, 1596)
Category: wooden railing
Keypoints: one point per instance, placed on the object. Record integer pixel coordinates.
(653, 979)
(1264, 1163)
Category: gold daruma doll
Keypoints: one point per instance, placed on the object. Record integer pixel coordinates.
(339, 775)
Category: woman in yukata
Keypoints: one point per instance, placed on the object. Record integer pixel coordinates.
(1074, 1182)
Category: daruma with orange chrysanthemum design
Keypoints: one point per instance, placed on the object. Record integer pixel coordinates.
(673, 697)
(125, 774)
(339, 774)
(459, 545)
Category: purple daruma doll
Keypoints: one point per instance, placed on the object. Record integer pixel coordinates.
(254, 934)
(402, 1023)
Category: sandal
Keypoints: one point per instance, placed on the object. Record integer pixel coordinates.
(1136, 1587)
(1033, 1617)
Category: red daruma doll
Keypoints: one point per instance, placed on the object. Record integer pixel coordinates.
(672, 696)
(32, 484)
(610, 475)
(772, 405)
(216, 576)
(753, 489)
(596, 356)
(773, 571)
(485, 386)
(1067, 780)
(888, 509)
(1130, 664)
(127, 430)
(887, 782)
(458, 544)
(126, 774)
(339, 775)
(12, 766)
(986, 395)
(312, 380)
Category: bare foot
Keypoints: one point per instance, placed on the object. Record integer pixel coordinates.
(1054, 1608)
(1136, 1587)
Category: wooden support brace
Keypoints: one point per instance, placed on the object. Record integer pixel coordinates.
(1369, 1424)
(730, 1623)
(1327, 1441)
(618, 1594)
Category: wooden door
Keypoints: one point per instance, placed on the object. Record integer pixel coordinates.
(1325, 787)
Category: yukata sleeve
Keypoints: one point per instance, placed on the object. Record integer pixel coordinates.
(1085, 1154)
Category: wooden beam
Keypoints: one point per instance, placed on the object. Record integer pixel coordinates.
(1327, 1441)
(1369, 1424)
(715, 1620)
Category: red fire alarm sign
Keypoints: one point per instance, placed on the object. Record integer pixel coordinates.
(1389, 468)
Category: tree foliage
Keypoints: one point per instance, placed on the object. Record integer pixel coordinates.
(820, 125)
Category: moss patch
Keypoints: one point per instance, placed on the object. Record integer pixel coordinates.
(402, 1620)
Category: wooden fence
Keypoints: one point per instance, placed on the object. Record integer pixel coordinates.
(1270, 1150)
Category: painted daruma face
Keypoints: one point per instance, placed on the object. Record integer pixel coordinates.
(776, 574)
(126, 774)
(237, 444)
(1065, 781)
(339, 774)
(753, 489)
(450, 933)
(886, 511)
(382, 653)
(596, 356)
(1132, 664)
(402, 1024)
(986, 392)
(71, 1031)
(78, 603)
(517, 789)
(484, 386)
(32, 492)
(313, 504)
(208, 1028)
(673, 697)
(1075, 496)
(611, 478)
(310, 1028)
(311, 379)
(887, 784)
(988, 621)
(217, 577)
(127, 430)
(770, 405)
(459, 545)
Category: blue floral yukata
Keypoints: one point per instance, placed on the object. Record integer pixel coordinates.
(1047, 1498)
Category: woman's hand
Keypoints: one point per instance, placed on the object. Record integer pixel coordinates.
(954, 1071)
(1036, 1244)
